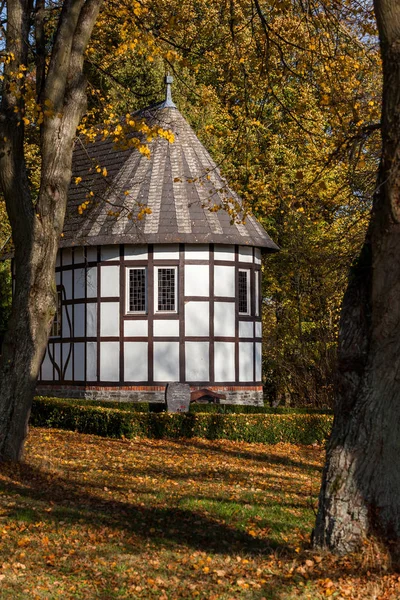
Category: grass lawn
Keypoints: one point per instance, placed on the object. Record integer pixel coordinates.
(88, 517)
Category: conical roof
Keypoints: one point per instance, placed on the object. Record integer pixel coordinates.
(179, 183)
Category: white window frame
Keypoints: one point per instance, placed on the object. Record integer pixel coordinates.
(248, 280)
(127, 299)
(156, 270)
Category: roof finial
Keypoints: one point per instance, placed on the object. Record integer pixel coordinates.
(168, 103)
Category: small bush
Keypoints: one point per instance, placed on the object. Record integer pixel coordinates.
(117, 423)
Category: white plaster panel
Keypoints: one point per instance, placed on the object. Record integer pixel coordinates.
(79, 361)
(91, 361)
(135, 361)
(246, 254)
(246, 361)
(257, 256)
(197, 280)
(47, 367)
(224, 319)
(65, 323)
(79, 256)
(224, 281)
(79, 320)
(67, 361)
(109, 319)
(224, 252)
(166, 252)
(135, 252)
(197, 361)
(79, 283)
(258, 326)
(167, 328)
(224, 361)
(109, 361)
(91, 253)
(67, 283)
(166, 361)
(109, 253)
(246, 329)
(91, 282)
(258, 362)
(197, 252)
(57, 359)
(91, 319)
(136, 328)
(109, 281)
(66, 256)
(197, 318)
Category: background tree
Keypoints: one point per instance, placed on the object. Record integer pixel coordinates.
(360, 493)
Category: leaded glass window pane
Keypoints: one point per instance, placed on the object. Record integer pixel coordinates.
(166, 289)
(137, 290)
(244, 292)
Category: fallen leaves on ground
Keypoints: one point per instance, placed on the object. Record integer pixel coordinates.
(87, 517)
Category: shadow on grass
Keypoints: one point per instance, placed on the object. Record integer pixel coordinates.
(72, 503)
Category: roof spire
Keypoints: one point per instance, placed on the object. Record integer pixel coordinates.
(168, 103)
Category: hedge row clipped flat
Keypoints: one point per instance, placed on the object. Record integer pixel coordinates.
(112, 422)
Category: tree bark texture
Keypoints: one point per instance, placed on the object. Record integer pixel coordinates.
(37, 226)
(360, 494)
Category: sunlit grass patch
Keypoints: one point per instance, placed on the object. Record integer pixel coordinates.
(92, 518)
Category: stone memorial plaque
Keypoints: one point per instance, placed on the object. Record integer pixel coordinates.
(177, 396)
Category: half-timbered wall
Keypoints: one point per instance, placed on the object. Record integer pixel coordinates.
(205, 341)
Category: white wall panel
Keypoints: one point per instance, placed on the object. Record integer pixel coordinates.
(224, 281)
(246, 254)
(197, 361)
(109, 318)
(67, 283)
(257, 256)
(197, 319)
(91, 253)
(109, 361)
(135, 252)
(224, 361)
(67, 361)
(79, 320)
(79, 283)
(47, 367)
(110, 253)
(91, 319)
(66, 256)
(91, 357)
(246, 361)
(166, 252)
(65, 323)
(136, 328)
(224, 319)
(197, 252)
(109, 281)
(258, 329)
(224, 252)
(135, 361)
(258, 362)
(165, 328)
(91, 282)
(197, 280)
(166, 361)
(79, 361)
(246, 329)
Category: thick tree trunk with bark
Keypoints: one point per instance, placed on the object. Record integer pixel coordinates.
(360, 494)
(36, 227)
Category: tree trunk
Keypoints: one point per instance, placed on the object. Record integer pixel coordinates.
(360, 494)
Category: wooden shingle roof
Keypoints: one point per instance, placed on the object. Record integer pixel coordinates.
(179, 183)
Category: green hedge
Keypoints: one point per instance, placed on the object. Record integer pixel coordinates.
(223, 409)
(111, 422)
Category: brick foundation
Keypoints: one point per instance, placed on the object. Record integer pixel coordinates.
(250, 395)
